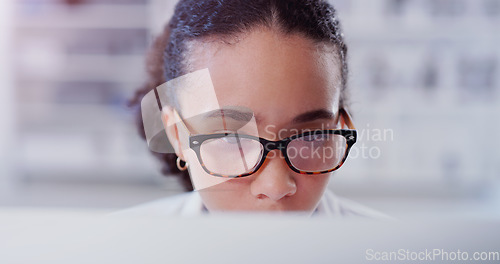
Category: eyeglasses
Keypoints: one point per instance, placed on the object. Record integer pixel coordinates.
(234, 155)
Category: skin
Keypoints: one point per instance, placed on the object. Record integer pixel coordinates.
(278, 77)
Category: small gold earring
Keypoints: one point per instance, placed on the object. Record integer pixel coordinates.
(178, 162)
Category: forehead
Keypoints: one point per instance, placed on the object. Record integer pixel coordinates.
(278, 77)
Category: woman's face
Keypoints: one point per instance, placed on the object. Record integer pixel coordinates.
(289, 83)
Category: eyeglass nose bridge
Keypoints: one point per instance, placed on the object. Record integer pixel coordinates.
(272, 145)
(280, 145)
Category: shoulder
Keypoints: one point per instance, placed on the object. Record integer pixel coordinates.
(335, 206)
(184, 204)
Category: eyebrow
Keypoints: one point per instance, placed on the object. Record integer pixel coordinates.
(246, 116)
(313, 116)
(230, 113)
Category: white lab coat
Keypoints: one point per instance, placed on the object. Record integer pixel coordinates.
(190, 204)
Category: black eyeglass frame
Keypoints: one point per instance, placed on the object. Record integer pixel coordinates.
(350, 134)
(195, 142)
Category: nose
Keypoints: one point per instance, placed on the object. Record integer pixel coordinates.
(274, 180)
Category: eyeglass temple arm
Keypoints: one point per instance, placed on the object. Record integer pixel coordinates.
(181, 120)
(346, 119)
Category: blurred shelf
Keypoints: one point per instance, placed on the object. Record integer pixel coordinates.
(103, 41)
(92, 68)
(83, 118)
(115, 68)
(459, 33)
(82, 16)
(106, 196)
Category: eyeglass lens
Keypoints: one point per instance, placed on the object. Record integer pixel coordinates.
(233, 155)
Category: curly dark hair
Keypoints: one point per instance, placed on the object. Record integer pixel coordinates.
(200, 19)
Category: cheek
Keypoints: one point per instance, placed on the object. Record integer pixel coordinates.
(310, 188)
(232, 195)
(313, 182)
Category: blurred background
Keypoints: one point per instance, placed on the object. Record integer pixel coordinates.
(425, 97)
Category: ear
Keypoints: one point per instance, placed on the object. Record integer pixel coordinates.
(170, 122)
